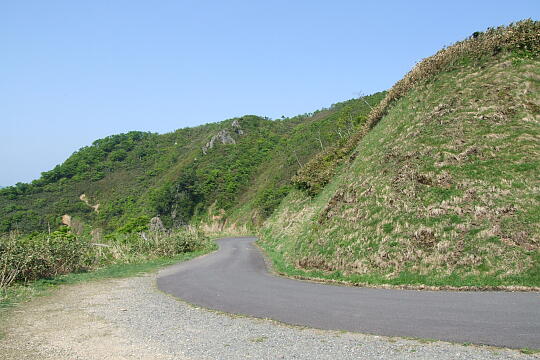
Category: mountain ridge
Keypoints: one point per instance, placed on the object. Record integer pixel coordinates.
(147, 174)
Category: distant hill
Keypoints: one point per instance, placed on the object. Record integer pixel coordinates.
(237, 170)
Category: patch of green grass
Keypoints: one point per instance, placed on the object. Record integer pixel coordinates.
(259, 339)
(284, 267)
(528, 351)
(388, 227)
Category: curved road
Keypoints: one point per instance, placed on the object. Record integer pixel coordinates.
(235, 279)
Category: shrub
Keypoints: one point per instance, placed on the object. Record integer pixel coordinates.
(26, 258)
(270, 198)
(137, 224)
(134, 246)
(314, 176)
(36, 256)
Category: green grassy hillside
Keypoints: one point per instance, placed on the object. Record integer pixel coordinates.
(129, 178)
(442, 185)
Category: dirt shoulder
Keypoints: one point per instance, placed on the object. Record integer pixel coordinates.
(61, 326)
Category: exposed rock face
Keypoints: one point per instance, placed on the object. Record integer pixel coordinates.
(156, 225)
(224, 136)
(84, 198)
(236, 127)
(66, 220)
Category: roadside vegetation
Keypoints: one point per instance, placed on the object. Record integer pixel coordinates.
(93, 214)
(32, 262)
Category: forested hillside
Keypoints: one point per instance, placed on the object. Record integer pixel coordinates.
(239, 169)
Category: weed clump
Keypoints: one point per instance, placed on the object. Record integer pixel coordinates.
(26, 258)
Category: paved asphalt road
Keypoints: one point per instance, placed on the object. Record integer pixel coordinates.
(235, 280)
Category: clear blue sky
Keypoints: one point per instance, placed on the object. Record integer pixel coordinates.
(75, 71)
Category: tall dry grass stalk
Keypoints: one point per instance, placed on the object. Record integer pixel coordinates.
(9, 266)
(220, 228)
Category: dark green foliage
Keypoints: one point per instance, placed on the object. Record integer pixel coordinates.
(270, 198)
(175, 202)
(316, 174)
(92, 162)
(135, 225)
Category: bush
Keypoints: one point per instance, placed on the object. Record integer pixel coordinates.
(269, 199)
(137, 224)
(134, 246)
(37, 256)
(318, 172)
(26, 258)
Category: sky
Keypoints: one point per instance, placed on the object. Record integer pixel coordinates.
(72, 72)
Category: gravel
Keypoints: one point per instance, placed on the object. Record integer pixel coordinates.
(131, 319)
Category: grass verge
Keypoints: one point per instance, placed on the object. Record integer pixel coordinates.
(405, 280)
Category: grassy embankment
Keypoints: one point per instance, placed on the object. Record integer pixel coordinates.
(442, 186)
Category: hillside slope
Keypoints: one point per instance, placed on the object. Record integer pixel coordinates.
(442, 187)
(237, 170)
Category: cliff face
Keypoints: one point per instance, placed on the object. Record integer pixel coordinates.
(222, 136)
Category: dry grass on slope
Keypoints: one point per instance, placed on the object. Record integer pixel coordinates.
(523, 36)
(521, 39)
(443, 191)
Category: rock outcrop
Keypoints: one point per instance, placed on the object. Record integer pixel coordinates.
(156, 225)
(84, 198)
(224, 136)
(236, 127)
(66, 220)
